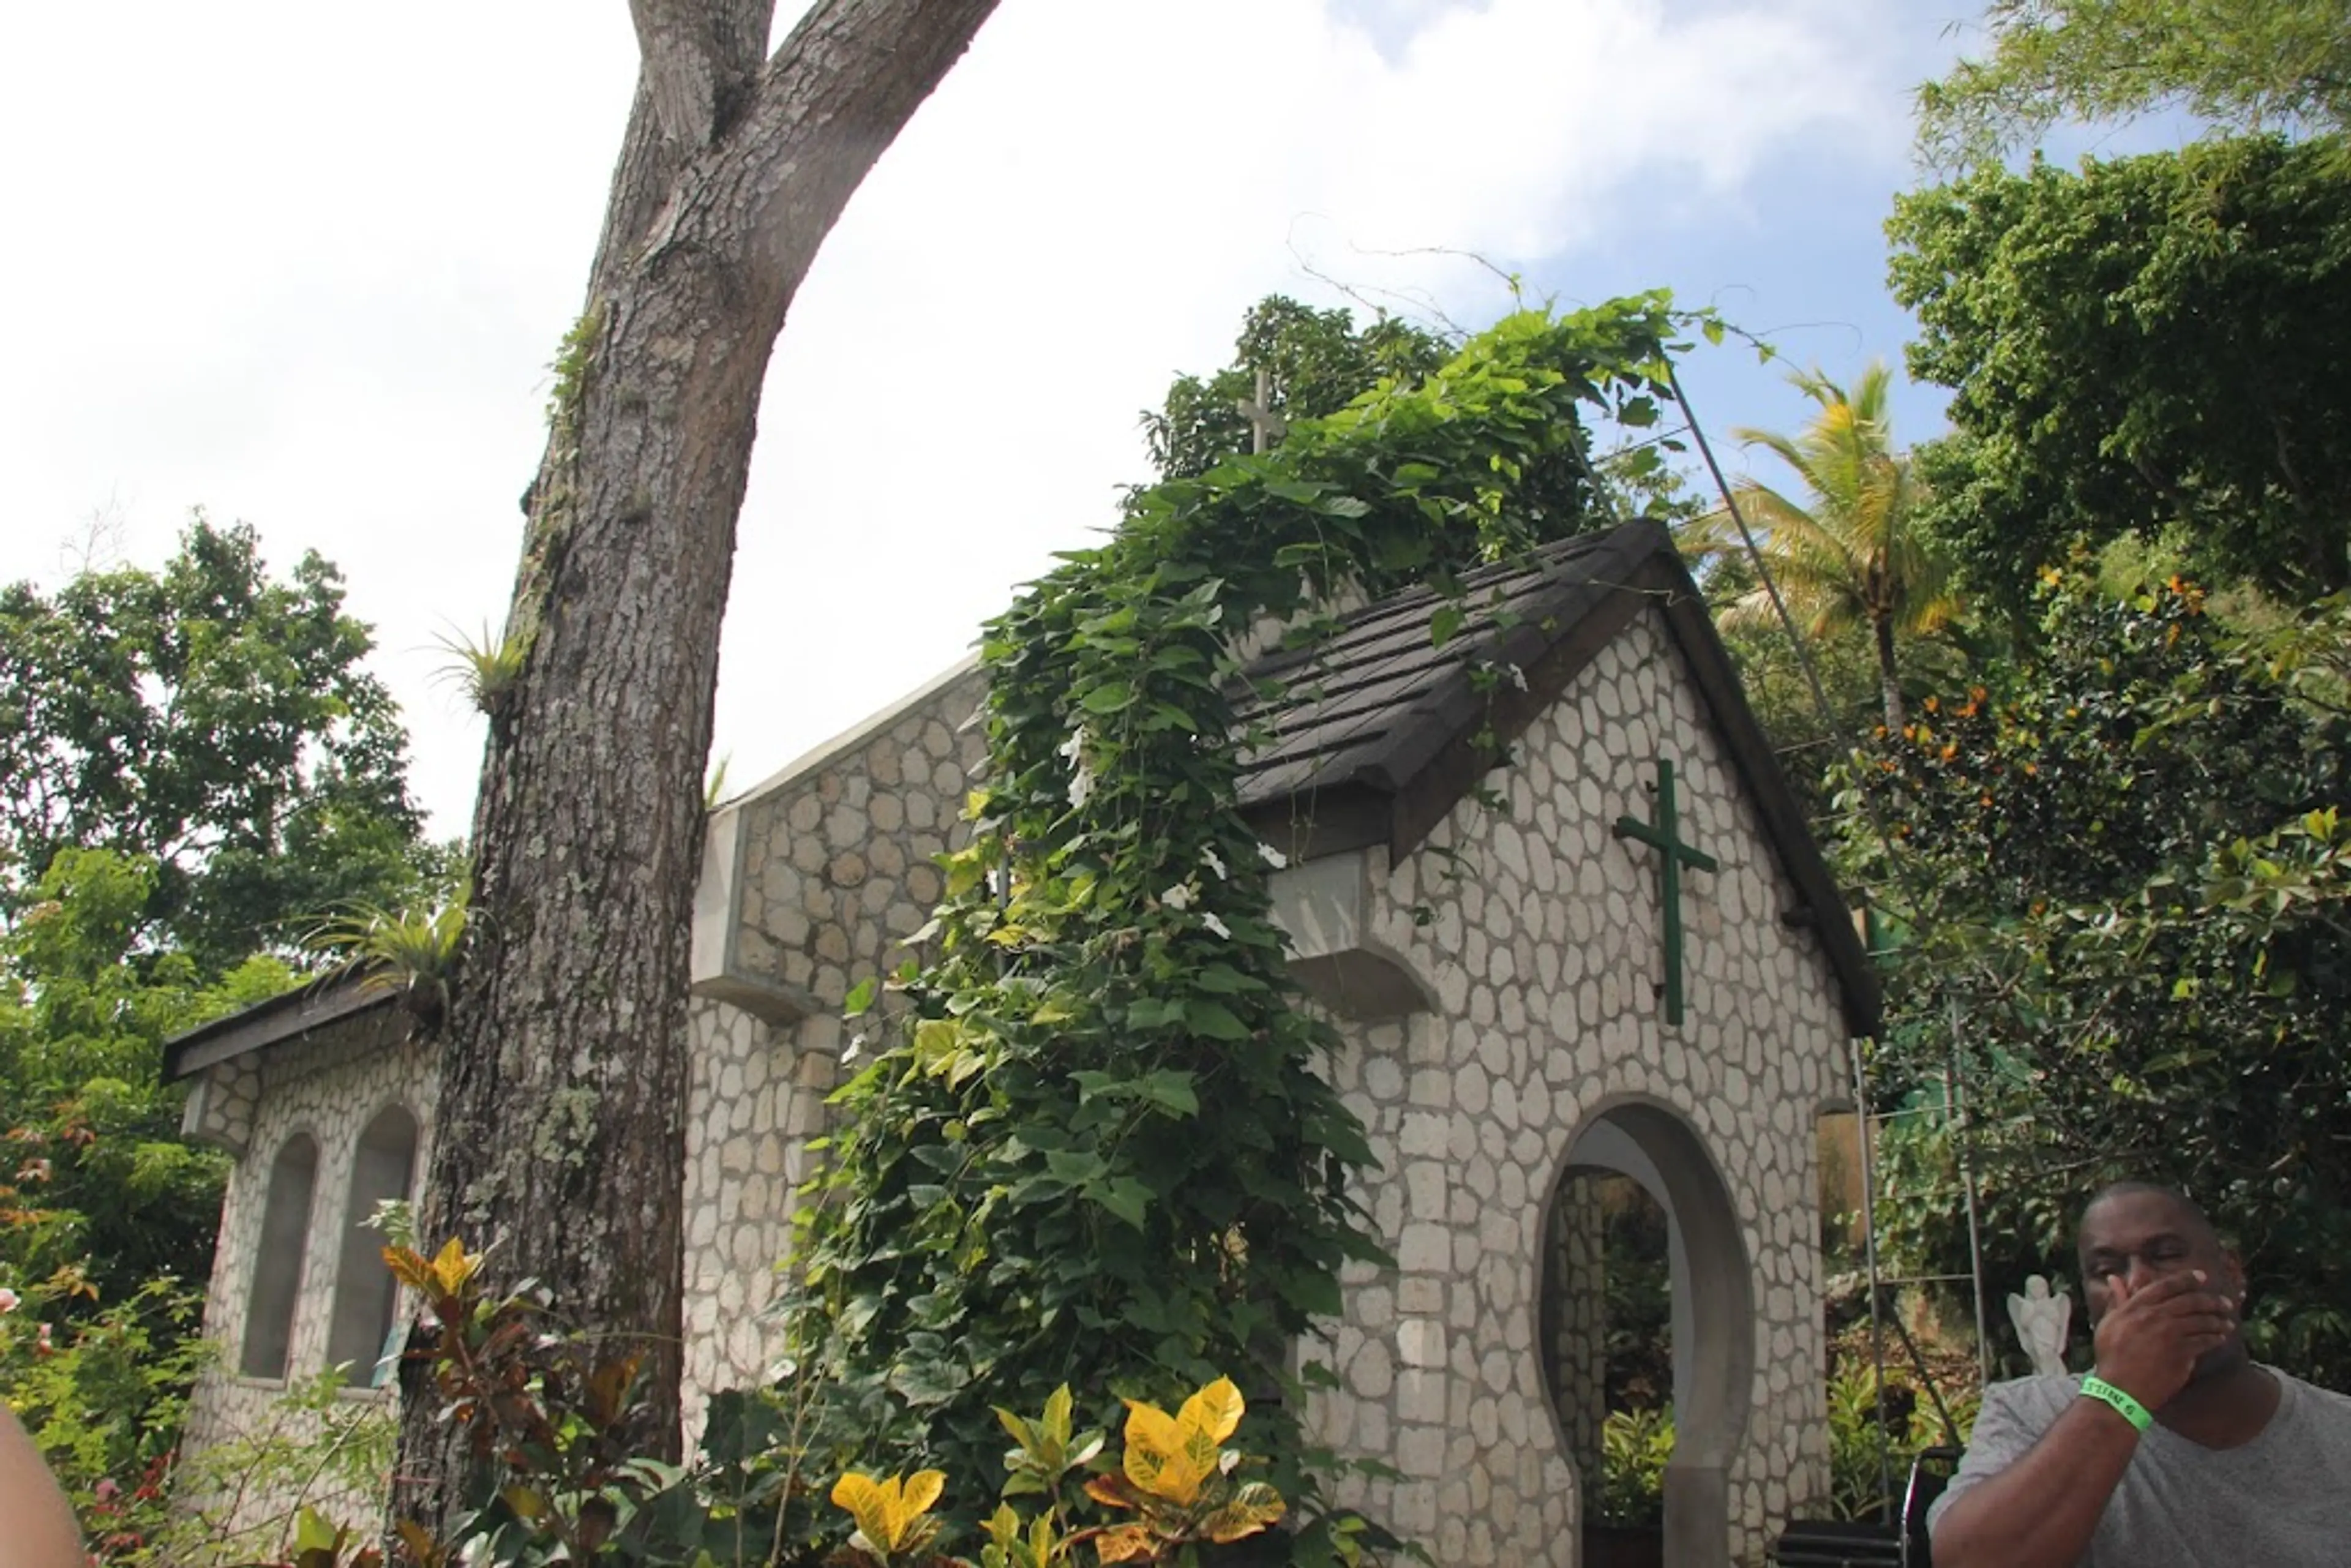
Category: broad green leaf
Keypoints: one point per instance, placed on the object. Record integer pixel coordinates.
(1214, 1020)
(1124, 1196)
(1110, 697)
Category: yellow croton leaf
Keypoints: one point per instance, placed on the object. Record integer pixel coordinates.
(1254, 1506)
(1158, 1460)
(1126, 1543)
(453, 1266)
(1115, 1491)
(1215, 1410)
(889, 1512)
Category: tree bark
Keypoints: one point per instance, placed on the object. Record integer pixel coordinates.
(1890, 680)
(560, 1132)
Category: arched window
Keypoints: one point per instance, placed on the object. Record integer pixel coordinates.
(277, 1260)
(365, 1291)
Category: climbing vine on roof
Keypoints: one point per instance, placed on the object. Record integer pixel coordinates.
(1094, 1144)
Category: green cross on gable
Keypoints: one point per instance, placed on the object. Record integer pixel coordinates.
(1664, 836)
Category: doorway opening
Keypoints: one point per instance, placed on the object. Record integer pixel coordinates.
(1647, 1321)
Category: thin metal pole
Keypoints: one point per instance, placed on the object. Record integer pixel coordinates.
(1963, 1128)
(1869, 1261)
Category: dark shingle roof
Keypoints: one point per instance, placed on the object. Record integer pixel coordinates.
(291, 1015)
(1371, 702)
(1379, 731)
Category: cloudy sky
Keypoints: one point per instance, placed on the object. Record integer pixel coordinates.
(305, 266)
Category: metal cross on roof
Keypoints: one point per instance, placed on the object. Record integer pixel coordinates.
(1266, 428)
(1664, 836)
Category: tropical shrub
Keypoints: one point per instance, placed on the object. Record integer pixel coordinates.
(102, 1390)
(547, 1414)
(2115, 875)
(1629, 1493)
(1863, 1453)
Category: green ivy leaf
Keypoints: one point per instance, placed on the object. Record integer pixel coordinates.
(1123, 1195)
(1214, 1020)
(1110, 697)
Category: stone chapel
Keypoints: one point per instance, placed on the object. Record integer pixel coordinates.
(1619, 951)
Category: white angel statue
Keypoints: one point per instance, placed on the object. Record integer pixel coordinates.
(2041, 1321)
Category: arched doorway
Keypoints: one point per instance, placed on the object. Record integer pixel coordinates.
(1712, 1312)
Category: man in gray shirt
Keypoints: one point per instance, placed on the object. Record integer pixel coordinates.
(2179, 1451)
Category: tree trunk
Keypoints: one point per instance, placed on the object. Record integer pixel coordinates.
(560, 1132)
(1888, 682)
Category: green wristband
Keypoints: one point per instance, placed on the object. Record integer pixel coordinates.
(2130, 1410)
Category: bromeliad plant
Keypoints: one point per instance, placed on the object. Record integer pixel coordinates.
(1176, 1479)
(1094, 1146)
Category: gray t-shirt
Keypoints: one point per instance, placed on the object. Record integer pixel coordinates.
(2280, 1501)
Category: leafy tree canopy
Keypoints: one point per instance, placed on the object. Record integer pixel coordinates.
(1316, 364)
(2241, 64)
(97, 1181)
(2145, 344)
(2119, 877)
(214, 723)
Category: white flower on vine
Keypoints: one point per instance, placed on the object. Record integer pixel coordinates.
(1217, 925)
(1273, 857)
(1179, 896)
(1209, 858)
(1515, 675)
(1081, 779)
(9, 1300)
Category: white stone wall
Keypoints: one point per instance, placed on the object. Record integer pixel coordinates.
(839, 867)
(758, 1098)
(330, 1086)
(1543, 941)
(839, 851)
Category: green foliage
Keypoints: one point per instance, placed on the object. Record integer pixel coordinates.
(1852, 553)
(1636, 1275)
(1094, 1148)
(485, 668)
(258, 1495)
(2120, 875)
(2240, 64)
(412, 952)
(102, 1392)
(1629, 1493)
(1808, 743)
(214, 721)
(1316, 364)
(2146, 344)
(548, 1412)
(1174, 1489)
(96, 1176)
(191, 760)
(1863, 1454)
(549, 1415)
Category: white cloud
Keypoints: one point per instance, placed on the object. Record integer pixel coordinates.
(306, 266)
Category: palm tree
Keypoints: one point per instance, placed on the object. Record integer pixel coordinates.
(1854, 555)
